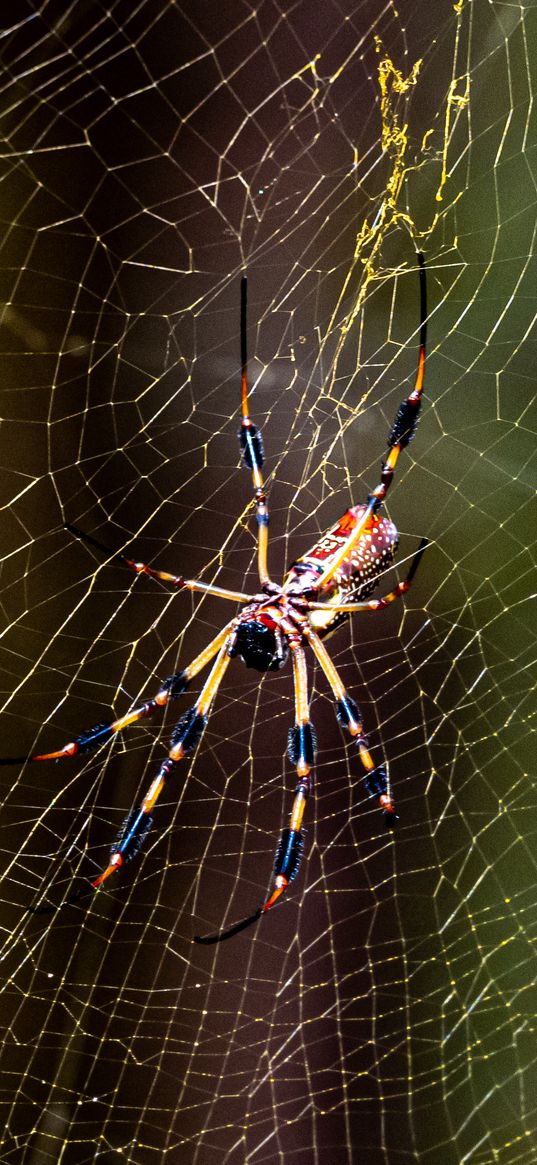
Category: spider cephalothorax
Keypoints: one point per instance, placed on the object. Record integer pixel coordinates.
(259, 640)
(321, 589)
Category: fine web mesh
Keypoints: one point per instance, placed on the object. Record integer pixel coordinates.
(385, 1012)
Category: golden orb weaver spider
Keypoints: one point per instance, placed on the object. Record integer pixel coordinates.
(321, 589)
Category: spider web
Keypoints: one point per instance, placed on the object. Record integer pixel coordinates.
(151, 152)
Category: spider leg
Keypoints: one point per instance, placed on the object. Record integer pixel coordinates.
(301, 751)
(101, 733)
(402, 432)
(176, 580)
(186, 735)
(251, 446)
(385, 600)
(350, 717)
(404, 426)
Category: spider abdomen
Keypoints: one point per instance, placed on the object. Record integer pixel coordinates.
(358, 574)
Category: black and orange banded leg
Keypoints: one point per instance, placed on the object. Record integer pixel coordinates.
(404, 426)
(92, 738)
(350, 717)
(186, 735)
(401, 433)
(301, 749)
(251, 446)
(176, 580)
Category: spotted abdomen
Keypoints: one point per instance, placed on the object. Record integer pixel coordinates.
(358, 574)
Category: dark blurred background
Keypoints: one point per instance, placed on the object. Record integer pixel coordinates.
(151, 153)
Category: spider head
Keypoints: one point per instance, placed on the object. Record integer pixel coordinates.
(260, 644)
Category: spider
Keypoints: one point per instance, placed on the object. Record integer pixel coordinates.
(320, 591)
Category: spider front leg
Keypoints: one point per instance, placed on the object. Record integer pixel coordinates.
(185, 737)
(349, 716)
